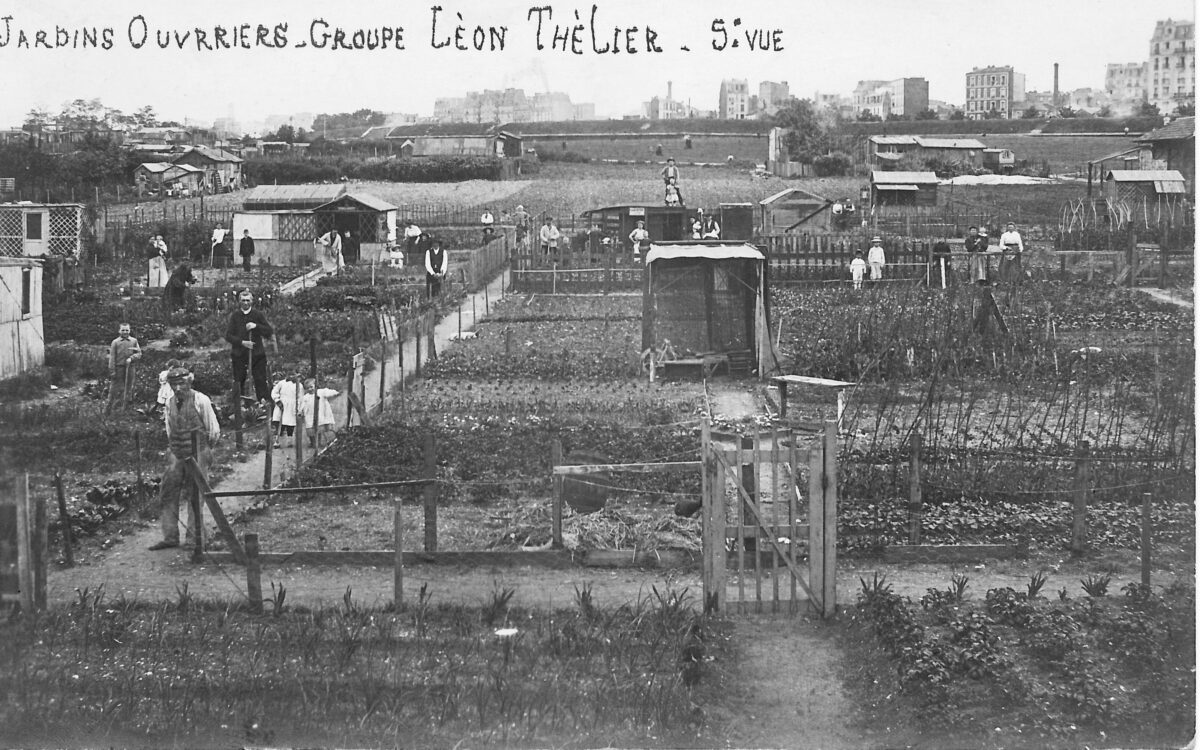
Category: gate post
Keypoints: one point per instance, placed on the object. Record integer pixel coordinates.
(712, 499)
(829, 520)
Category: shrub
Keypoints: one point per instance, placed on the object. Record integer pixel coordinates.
(572, 157)
(834, 164)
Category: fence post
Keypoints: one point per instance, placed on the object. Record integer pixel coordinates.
(556, 512)
(1163, 257)
(298, 437)
(1147, 538)
(1079, 511)
(41, 554)
(253, 573)
(68, 539)
(194, 495)
(268, 459)
(398, 565)
(237, 415)
(816, 525)
(430, 493)
(829, 481)
(383, 360)
(417, 363)
(915, 501)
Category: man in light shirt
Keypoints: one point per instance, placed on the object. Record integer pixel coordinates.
(488, 221)
(640, 238)
(876, 259)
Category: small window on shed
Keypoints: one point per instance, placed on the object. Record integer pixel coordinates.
(26, 291)
(33, 226)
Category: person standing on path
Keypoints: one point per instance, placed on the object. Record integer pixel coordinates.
(1011, 243)
(436, 265)
(246, 249)
(858, 267)
(247, 330)
(488, 222)
(670, 173)
(325, 415)
(286, 399)
(188, 413)
(876, 259)
(218, 241)
(123, 354)
(640, 239)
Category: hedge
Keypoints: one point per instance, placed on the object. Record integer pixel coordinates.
(289, 171)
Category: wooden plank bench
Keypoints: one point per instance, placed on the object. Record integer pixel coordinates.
(782, 381)
(705, 365)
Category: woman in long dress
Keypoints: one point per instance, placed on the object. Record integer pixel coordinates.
(157, 273)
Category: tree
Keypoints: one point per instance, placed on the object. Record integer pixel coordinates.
(927, 114)
(1148, 110)
(958, 114)
(1031, 113)
(893, 117)
(867, 116)
(1185, 110)
(36, 120)
(145, 117)
(286, 133)
(1067, 113)
(806, 137)
(993, 114)
(1105, 111)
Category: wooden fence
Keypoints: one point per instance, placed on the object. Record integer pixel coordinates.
(826, 257)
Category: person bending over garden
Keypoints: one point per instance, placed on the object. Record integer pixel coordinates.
(247, 330)
(188, 413)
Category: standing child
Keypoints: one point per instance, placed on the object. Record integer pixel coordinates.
(324, 416)
(286, 399)
(876, 260)
(123, 354)
(165, 391)
(858, 267)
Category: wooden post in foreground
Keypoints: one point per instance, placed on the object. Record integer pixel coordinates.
(915, 501)
(430, 493)
(194, 495)
(1083, 470)
(253, 573)
(24, 542)
(556, 511)
(1147, 538)
(398, 567)
(68, 537)
(41, 554)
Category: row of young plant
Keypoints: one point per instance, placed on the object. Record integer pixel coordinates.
(427, 674)
(1018, 668)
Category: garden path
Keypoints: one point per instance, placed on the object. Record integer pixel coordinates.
(129, 567)
(1166, 295)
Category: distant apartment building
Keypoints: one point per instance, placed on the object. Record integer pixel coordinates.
(734, 99)
(903, 97)
(1125, 84)
(772, 96)
(1088, 100)
(668, 107)
(837, 104)
(1171, 69)
(509, 105)
(994, 89)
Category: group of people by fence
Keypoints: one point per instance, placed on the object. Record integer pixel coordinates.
(979, 251)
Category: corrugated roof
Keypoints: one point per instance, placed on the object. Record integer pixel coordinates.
(1145, 175)
(365, 199)
(904, 178)
(444, 130)
(894, 140)
(302, 196)
(162, 166)
(215, 154)
(965, 143)
(1179, 129)
(789, 191)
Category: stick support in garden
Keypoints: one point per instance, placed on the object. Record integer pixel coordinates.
(68, 537)
(430, 493)
(556, 511)
(398, 566)
(1083, 482)
(253, 573)
(268, 459)
(198, 532)
(1147, 538)
(916, 506)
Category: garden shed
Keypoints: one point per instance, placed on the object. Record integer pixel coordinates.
(22, 345)
(903, 188)
(40, 229)
(455, 139)
(792, 209)
(222, 170)
(664, 223)
(1140, 185)
(709, 301)
(285, 219)
(167, 176)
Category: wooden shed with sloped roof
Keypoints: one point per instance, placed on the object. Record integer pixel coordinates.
(285, 219)
(904, 188)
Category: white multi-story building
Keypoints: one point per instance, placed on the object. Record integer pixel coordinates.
(1171, 69)
(734, 101)
(903, 97)
(1126, 84)
(994, 89)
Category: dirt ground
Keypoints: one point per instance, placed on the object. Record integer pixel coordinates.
(792, 694)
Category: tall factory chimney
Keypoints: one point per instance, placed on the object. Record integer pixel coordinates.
(1054, 101)
(668, 91)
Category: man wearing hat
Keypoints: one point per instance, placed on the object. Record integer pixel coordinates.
(188, 413)
(875, 259)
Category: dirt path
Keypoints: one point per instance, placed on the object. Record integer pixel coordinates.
(128, 567)
(1166, 295)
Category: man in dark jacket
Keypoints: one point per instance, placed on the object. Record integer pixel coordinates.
(246, 249)
(247, 330)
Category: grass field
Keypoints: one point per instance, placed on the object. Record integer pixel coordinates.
(1065, 153)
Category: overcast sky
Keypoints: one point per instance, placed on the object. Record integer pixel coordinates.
(827, 46)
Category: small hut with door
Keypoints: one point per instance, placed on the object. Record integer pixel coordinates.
(1138, 186)
(705, 306)
(285, 219)
(794, 210)
(22, 344)
(904, 188)
(41, 229)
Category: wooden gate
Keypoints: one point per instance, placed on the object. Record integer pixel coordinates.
(770, 521)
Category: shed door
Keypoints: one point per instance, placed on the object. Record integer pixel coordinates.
(37, 231)
(731, 317)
